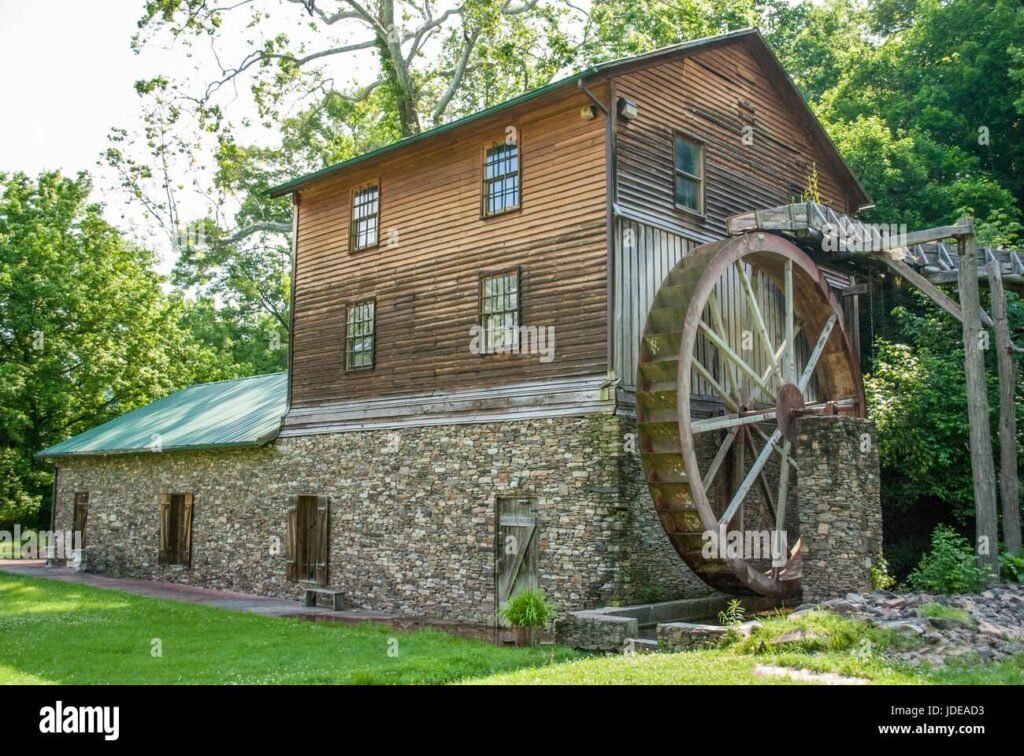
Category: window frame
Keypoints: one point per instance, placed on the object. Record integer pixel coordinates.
(484, 276)
(486, 182)
(353, 247)
(372, 301)
(701, 146)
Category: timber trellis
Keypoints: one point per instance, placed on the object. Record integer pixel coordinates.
(925, 259)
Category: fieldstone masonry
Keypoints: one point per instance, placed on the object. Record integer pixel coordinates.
(412, 514)
(839, 492)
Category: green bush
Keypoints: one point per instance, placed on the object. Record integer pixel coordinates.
(528, 609)
(1012, 567)
(881, 579)
(948, 567)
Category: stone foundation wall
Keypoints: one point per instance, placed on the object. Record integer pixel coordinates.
(840, 508)
(412, 515)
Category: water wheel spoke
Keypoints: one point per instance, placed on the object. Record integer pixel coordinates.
(766, 489)
(780, 512)
(789, 368)
(764, 437)
(716, 463)
(730, 421)
(719, 323)
(728, 352)
(752, 474)
(755, 312)
(819, 348)
(713, 382)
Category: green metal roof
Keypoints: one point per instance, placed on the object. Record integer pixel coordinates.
(238, 413)
(291, 186)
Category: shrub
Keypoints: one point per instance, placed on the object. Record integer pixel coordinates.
(1012, 567)
(881, 579)
(732, 615)
(528, 609)
(948, 567)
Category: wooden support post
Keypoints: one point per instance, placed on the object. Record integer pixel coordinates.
(982, 465)
(1009, 485)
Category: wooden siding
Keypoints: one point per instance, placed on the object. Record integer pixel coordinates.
(426, 285)
(710, 97)
(644, 255)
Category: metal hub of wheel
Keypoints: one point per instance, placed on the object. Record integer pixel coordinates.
(746, 330)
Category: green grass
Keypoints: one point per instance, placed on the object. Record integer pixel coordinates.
(942, 611)
(817, 641)
(54, 632)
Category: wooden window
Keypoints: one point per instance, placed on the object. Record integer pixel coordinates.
(364, 231)
(176, 529)
(359, 336)
(499, 312)
(81, 514)
(307, 539)
(501, 179)
(796, 195)
(689, 174)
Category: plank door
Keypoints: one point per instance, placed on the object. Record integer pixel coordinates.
(515, 547)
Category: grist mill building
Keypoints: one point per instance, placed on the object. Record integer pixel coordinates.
(491, 323)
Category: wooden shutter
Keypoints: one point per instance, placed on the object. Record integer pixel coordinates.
(81, 514)
(291, 529)
(165, 529)
(323, 505)
(185, 532)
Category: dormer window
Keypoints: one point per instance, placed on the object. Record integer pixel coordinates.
(364, 229)
(689, 174)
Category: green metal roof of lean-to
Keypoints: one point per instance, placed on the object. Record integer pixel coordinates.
(227, 414)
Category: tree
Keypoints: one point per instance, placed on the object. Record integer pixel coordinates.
(86, 330)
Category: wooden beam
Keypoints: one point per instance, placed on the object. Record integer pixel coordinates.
(934, 293)
(937, 295)
(982, 465)
(937, 234)
(1009, 485)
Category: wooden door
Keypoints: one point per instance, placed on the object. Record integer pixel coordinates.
(515, 547)
(81, 515)
(308, 541)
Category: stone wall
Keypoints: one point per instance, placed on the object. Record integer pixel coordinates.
(412, 514)
(839, 492)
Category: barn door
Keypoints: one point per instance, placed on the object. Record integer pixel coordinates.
(516, 547)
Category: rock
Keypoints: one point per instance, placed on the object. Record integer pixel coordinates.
(949, 623)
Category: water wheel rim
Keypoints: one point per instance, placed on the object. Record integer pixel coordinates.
(839, 366)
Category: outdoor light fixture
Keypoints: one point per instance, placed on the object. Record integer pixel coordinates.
(628, 109)
(588, 112)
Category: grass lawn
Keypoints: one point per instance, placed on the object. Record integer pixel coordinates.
(55, 632)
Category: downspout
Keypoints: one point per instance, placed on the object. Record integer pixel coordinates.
(611, 191)
(53, 502)
(291, 309)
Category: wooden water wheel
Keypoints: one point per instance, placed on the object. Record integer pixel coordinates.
(742, 339)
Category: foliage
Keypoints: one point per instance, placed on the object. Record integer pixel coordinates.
(812, 632)
(1012, 567)
(205, 645)
(529, 608)
(933, 610)
(881, 580)
(949, 566)
(86, 330)
(733, 614)
(917, 397)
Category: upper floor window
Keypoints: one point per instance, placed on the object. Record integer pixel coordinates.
(689, 174)
(501, 178)
(364, 229)
(499, 312)
(359, 336)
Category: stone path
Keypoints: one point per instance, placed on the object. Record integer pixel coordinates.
(239, 602)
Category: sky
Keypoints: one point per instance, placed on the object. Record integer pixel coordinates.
(66, 76)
